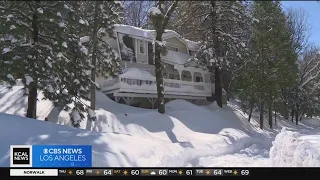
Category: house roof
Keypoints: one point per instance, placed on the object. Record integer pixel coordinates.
(133, 31)
(192, 45)
(137, 73)
(176, 57)
(149, 34)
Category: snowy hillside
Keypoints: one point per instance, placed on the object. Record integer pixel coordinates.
(187, 135)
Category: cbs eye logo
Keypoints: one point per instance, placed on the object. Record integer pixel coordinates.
(20, 156)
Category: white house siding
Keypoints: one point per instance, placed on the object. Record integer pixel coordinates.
(112, 42)
(175, 42)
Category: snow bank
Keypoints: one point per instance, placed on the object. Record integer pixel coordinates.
(108, 149)
(311, 122)
(13, 101)
(290, 151)
(137, 73)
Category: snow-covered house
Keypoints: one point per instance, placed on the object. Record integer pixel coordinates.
(136, 83)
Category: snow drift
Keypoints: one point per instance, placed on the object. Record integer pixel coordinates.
(290, 151)
(187, 135)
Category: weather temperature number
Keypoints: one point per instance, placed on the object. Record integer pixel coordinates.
(163, 172)
(245, 172)
(135, 172)
(107, 172)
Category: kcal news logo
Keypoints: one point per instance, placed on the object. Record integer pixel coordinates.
(51, 156)
(20, 156)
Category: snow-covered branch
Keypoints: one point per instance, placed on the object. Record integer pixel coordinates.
(310, 79)
(169, 12)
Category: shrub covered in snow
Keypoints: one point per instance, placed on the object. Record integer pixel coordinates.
(290, 151)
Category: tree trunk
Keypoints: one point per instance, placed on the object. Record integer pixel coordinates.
(285, 112)
(33, 86)
(93, 63)
(218, 87)
(94, 57)
(251, 109)
(32, 101)
(292, 113)
(275, 117)
(270, 114)
(261, 114)
(297, 114)
(159, 77)
(301, 115)
(217, 73)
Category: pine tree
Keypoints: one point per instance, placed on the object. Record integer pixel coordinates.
(159, 17)
(224, 43)
(26, 50)
(70, 84)
(273, 47)
(101, 17)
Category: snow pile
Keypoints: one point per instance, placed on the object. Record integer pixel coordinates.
(14, 101)
(122, 136)
(108, 149)
(290, 151)
(137, 73)
(311, 122)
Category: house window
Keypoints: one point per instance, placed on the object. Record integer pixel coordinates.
(141, 46)
(199, 79)
(171, 76)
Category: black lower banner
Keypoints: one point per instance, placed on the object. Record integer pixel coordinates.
(109, 171)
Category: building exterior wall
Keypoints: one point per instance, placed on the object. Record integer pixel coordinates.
(112, 42)
(175, 42)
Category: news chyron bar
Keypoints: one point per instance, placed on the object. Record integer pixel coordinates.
(76, 160)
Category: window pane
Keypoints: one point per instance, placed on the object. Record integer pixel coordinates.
(141, 46)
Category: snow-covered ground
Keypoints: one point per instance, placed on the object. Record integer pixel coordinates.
(187, 135)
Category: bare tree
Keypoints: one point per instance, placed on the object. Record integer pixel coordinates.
(298, 26)
(136, 13)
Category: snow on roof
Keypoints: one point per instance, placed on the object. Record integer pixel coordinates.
(192, 45)
(176, 57)
(146, 33)
(126, 29)
(136, 73)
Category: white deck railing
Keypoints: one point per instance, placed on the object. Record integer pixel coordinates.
(136, 85)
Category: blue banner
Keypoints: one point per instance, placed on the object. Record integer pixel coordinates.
(61, 156)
